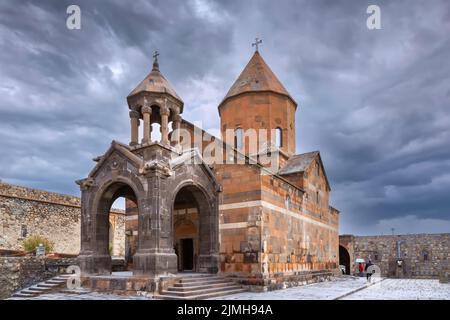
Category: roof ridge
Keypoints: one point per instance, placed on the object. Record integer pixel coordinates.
(301, 154)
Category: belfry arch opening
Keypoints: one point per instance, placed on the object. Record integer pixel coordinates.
(118, 224)
(190, 228)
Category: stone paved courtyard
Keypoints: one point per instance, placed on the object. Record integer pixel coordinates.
(328, 290)
(347, 288)
(404, 289)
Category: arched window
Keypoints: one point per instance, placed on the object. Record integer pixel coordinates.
(425, 255)
(238, 138)
(278, 137)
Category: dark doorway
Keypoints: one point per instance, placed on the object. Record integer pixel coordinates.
(344, 259)
(187, 254)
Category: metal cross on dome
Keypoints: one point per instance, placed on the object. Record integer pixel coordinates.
(155, 56)
(256, 43)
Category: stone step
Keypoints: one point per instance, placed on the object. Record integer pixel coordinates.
(200, 296)
(197, 275)
(200, 286)
(48, 285)
(23, 295)
(31, 291)
(204, 280)
(40, 289)
(200, 291)
(184, 287)
(53, 281)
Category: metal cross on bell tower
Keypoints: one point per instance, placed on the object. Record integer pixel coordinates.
(155, 60)
(256, 43)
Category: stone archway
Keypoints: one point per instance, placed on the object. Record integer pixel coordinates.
(193, 224)
(344, 259)
(153, 186)
(95, 255)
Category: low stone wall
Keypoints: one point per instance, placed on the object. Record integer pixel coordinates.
(20, 272)
(444, 275)
(120, 285)
(282, 281)
(26, 211)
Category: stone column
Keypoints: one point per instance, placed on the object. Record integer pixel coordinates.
(134, 118)
(176, 128)
(94, 258)
(208, 259)
(155, 255)
(164, 125)
(146, 111)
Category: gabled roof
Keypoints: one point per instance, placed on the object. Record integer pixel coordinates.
(157, 83)
(257, 76)
(121, 148)
(187, 157)
(300, 162)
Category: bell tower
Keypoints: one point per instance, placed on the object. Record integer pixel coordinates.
(154, 101)
(257, 100)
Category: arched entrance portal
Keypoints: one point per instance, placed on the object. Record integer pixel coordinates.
(191, 227)
(108, 238)
(344, 259)
(158, 188)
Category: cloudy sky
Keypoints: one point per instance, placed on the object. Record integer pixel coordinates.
(376, 103)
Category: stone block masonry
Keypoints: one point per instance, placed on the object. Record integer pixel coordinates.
(20, 272)
(26, 211)
(401, 256)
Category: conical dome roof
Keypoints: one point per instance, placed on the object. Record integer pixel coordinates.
(155, 82)
(257, 76)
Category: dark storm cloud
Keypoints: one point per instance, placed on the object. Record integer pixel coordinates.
(375, 103)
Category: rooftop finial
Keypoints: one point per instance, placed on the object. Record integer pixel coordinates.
(256, 43)
(155, 60)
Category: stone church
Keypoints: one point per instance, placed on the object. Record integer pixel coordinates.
(267, 224)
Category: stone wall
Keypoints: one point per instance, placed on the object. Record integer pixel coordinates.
(240, 215)
(117, 223)
(420, 256)
(20, 272)
(267, 237)
(295, 238)
(271, 234)
(26, 211)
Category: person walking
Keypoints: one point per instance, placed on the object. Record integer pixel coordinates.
(360, 269)
(368, 272)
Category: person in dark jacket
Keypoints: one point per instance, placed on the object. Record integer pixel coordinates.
(368, 272)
